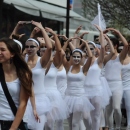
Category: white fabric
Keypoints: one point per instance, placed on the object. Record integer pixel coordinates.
(113, 70)
(5, 110)
(75, 96)
(62, 81)
(93, 86)
(59, 107)
(19, 43)
(31, 39)
(126, 77)
(42, 101)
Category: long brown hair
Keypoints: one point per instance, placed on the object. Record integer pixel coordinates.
(23, 72)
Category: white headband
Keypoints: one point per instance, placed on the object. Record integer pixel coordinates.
(31, 39)
(77, 50)
(19, 43)
(92, 43)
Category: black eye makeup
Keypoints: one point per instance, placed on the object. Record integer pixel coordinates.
(30, 46)
(91, 48)
(76, 56)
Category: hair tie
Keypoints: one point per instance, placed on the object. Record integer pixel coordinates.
(31, 39)
(19, 43)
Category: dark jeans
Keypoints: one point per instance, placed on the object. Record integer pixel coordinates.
(5, 125)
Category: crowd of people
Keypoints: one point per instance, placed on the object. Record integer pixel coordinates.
(47, 78)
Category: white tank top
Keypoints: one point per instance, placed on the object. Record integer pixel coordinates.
(92, 79)
(50, 78)
(61, 80)
(126, 76)
(38, 78)
(75, 83)
(14, 90)
(113, 70)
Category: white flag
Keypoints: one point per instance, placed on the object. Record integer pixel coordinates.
(99, 19)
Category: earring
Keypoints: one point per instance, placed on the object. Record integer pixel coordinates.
(11, 60)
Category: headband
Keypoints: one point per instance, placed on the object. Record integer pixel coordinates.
(77, 50)
(19, 43)
(90, 42)
(31, 39)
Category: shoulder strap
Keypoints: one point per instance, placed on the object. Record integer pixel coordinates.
(8, 96)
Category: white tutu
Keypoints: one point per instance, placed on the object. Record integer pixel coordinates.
(78, 104)
(106, 92)
(59, 110)
(43, 106)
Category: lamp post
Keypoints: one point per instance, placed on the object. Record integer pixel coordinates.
(67, 18)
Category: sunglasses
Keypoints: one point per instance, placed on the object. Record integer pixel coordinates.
(30, 46)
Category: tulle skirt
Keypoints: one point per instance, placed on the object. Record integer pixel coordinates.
(78, 103)
(106, 91)
(59, 110)
(43, 106)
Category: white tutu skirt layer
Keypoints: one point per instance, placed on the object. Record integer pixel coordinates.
(106, 92)
(43, 106)
(59, 110)
(78, 104)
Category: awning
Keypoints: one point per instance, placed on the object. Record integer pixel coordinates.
(49, 11)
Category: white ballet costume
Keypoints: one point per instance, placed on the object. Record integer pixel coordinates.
(59, 107)
(113, 76)
(107, 93)
(43, 105)
(61, 81)
(76, 99)
(126, 90)
(94, 91)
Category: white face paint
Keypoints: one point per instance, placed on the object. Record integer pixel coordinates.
(76, 57)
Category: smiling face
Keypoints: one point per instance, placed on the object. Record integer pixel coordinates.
(5, 54)
(76, 57)
(31, 48)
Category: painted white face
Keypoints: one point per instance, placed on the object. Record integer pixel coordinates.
(76, 57)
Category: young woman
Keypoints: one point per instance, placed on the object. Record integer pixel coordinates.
(18, 78)
(38, 66)
(59, 107)
(93, 86)
(126, 85)
(75, 93)
(113, 75)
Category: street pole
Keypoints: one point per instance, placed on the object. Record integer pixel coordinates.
(67, 18)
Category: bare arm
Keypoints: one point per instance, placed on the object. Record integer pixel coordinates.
(46, 57)
(102, 51)
(57, 58)
(21, 109)
(89, 60)
(125, 48)
(112, 51)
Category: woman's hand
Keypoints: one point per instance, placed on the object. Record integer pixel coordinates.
(36, 116)
(99, 29)
(83, 34)
(49, 30)
(78, 29)
(63, 37)
(37, 24)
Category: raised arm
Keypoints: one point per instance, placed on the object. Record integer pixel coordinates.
(125, 48)
(102, 50)
(89, 59)
(57, 57)
(112, 51)
(46, 57)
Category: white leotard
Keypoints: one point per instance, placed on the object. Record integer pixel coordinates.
(50, 78)
(61, 81)
(92, 82)
(113, 74)
(75, 83)
(126, 76)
